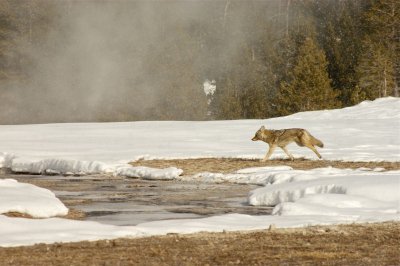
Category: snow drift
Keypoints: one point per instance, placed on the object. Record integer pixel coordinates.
(29, 199)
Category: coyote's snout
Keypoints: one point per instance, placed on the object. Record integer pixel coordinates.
(281, 138)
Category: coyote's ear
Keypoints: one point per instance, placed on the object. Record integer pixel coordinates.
(262, 127)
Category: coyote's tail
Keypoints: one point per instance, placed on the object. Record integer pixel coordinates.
(317, 142)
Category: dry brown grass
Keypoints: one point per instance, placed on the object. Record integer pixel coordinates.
(72, 214)
(18, 215)
(358, 244)
(228, 165)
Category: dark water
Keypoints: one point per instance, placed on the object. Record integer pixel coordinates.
(127, 201)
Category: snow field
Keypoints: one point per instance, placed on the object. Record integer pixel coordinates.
(367, 132)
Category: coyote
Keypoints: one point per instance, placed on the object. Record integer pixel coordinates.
(281, 138)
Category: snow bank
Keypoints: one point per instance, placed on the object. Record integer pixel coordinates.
(382, 108)
(349, 195)
(59, 166)
(360, 193)
(22, 232)
(382, 186)
(301, 198)
(149, 173)
(6, 159)
(75, 167)
(255, 176)
(19, 231)
(25, 198)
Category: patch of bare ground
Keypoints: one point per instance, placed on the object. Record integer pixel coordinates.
(18, 215)
(357, 244)
(72, 214)
(228, 165)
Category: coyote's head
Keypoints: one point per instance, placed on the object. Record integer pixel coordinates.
(259, 134)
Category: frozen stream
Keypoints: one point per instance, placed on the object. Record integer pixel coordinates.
(127, 201)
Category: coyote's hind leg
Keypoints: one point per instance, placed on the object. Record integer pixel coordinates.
(311, 147)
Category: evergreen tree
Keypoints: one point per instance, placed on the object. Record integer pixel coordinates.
(226, 104)
(309, 86)
(379, 66)
(376, 73)
(339, 30)
(259, 92)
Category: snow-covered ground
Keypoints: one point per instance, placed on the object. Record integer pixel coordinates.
(366, 132)
(369, 131)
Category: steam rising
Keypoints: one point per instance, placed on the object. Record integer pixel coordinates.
(96, 66)
(119, 60)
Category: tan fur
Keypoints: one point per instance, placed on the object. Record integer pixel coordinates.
(281, 138)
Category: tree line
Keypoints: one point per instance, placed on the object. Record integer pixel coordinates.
(267, 58)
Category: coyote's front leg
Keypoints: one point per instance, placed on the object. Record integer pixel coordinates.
(287, 153)
(270, 151)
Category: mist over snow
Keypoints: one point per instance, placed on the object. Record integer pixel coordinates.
(366, 132)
